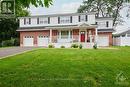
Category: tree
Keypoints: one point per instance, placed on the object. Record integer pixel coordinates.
(104, 8)
(8, 26)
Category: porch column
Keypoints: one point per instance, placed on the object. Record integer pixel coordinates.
(50, 35)
(96, 35)
(69, 34)
(60, 34)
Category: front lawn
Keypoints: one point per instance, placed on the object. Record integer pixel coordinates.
(67, 68)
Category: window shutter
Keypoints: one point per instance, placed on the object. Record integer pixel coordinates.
(107, 24)
(24, 21)
(86, 17)
(48, 20)
(70, 19)
(37, 20)
(29, 20)
(58, 20)
(79, 18)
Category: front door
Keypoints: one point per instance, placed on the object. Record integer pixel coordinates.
(82, 36)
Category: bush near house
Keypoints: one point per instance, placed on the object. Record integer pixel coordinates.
(51, 46)
(11, 42)
(62, 47)
(74, 46)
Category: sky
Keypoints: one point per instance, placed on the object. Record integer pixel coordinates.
(59, 6)
(71, 6)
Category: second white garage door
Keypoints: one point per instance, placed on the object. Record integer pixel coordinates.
(43, 40)
(103, 40)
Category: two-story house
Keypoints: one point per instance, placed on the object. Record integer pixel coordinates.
(65, 29)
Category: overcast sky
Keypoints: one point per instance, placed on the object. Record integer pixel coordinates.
(71, 6)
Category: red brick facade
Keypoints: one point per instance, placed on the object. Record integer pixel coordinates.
(55, 33)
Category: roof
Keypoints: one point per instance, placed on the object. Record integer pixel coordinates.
(53, 15)
(106, 30)
(74, 26)
(122, 33)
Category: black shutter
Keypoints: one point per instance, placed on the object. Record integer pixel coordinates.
(29, 20)
(79, 19)
(58, 20)
(48, 20)
(107, 24)
(86, 17)
(96, 23)
(37, 20)
(70, 19)
(24, 21)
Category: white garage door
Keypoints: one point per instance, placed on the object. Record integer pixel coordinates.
(43, 40)
(103, 40)
(28, 41)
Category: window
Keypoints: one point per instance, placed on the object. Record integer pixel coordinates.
(43, 20)
(65, 19)
(27, 21)
(83, 18)
(102, 24)
(64, 34)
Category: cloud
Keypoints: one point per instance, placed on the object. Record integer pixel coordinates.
(55, 9)
(70, 8)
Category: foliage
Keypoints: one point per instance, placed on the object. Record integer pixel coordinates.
(51, 46)
(62, 47)
(80, 46)
(74, 46)
(104, 8)
(8, 28)
(95, 46)
(36, 3)
(66, 68)
(16, 42)
(7, 43)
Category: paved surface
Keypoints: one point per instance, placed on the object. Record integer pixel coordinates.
(5, 52)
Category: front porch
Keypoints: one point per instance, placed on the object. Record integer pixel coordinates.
(84, 35)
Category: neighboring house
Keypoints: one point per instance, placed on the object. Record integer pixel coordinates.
(122, 38)
(65, 29)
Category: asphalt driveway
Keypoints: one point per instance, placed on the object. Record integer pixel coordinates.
(5, 52)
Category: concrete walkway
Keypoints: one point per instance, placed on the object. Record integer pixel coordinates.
(5, 52)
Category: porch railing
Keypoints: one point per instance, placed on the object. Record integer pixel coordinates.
(71, 39)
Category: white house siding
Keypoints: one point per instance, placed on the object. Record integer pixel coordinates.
(104, 22)
(91, 19)
(121, 41)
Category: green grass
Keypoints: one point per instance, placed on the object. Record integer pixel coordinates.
(67, 68)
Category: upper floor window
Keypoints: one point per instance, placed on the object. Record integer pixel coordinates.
(27, 21)
(83, 18)
(65, 19)
(43, 20)
(101, 24)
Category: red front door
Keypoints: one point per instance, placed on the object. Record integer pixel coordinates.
(82, 36)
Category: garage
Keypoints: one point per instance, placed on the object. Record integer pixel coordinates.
(103, 40)
(43, 40)
(28, 41)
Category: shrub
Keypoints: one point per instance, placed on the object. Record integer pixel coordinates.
(51, 46)
(16, 42)
(7, 43)
(62, 47)
(80, 46)
(74, 46)
(95, 46)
